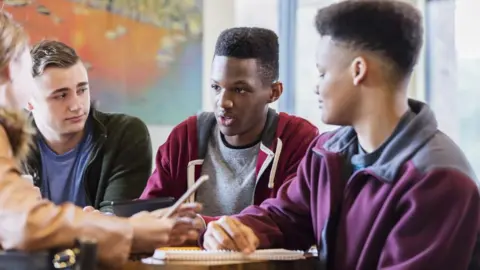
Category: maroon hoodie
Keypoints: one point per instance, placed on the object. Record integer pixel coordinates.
(416, 207)
(284, 142)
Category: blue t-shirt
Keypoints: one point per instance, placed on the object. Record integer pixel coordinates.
(62, 174)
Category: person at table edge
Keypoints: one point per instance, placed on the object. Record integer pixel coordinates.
(388, 190)
(246, 148)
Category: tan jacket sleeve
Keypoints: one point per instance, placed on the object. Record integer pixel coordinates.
(30, 223)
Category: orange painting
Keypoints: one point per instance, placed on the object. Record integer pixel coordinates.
(144, 57)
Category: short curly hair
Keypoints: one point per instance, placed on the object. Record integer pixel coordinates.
(252, 43)
(390, 28)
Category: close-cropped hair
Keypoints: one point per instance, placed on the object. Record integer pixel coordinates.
(50, 53)
(252, 43)
(390, 28)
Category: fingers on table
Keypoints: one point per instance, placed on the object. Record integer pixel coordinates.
(227, 233)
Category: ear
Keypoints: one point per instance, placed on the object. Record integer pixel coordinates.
(277, 90)
(5, 74)
(358, 70)
(30, 106)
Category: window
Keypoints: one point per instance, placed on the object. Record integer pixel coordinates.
(453, 61)
(306, 104)
(255, 13)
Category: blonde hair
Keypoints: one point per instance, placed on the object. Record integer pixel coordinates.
(13, 39)
(19, 131)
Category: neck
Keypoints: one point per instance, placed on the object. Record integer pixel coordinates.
(248, 137)
(62, 143)
(380, 118)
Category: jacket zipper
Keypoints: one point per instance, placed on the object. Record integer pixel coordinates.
(346, 195)
(36, 174)
(256, 183)
(98, 146)
(254, 191)
(332, 217)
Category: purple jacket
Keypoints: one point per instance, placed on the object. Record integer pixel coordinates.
(416, 207)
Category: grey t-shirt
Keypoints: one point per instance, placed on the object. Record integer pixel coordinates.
(232, 175)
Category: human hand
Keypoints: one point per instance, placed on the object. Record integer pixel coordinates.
(38, 193)
(29, 179)
(185, 210)
(229, 233)
(189, 223)
(192, 238)
(90, 209)
(154, 230)
(150, 232)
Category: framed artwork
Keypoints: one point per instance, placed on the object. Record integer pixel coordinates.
(144, 57)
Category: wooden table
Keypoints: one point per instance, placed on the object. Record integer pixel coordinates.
(311, 263)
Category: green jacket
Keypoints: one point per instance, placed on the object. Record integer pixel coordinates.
(120, 163)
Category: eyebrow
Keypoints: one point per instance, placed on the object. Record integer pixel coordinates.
(241, 82)
(65, 89)
(82, 84)
(236, 82)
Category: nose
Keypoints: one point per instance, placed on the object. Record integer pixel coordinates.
(224, 100)
(75, 103)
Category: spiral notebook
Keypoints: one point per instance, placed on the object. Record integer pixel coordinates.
(225, 255)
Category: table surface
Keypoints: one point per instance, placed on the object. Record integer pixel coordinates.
(311, 263)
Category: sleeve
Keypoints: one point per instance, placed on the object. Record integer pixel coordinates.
(208, 219)
(157, 184)
(285, 221)
(304, 137)
(169, 178)
(438, 224)
(29, 223)
(132, 166)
